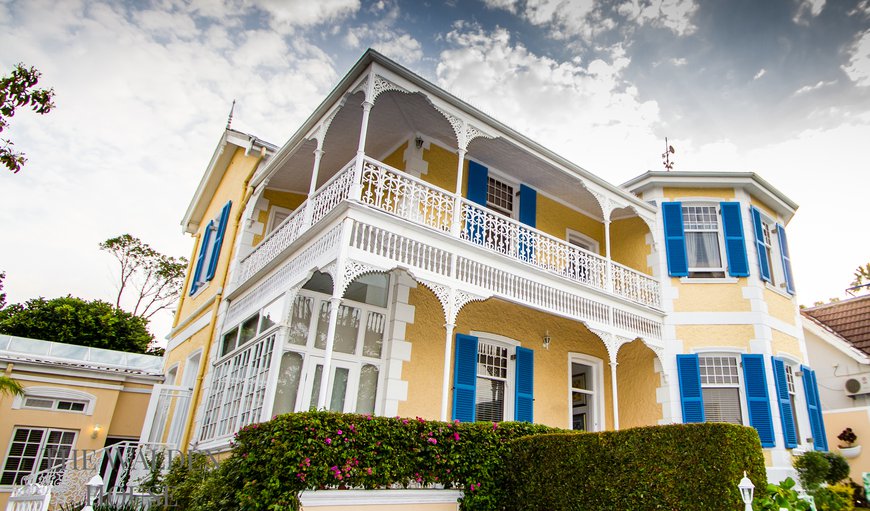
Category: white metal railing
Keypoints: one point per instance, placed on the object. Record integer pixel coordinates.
(399, 248)
(390, 190)
(405, 196)
(124, 467)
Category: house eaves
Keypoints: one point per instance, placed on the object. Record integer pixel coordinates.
(520, 140)
(218, 164)
(834, 339)
(750, 181)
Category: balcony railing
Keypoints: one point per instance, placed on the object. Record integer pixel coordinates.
(392, 191)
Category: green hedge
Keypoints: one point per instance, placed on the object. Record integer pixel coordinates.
(684, 467)
(273, 461)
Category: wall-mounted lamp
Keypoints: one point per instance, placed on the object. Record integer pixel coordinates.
(96, 431)
(418, 142)
(547, 340)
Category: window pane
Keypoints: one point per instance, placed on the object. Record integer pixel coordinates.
(581, 377)
(492, 360)
(248, 330)
(300, 320)
(368, 389)
(229, 342)
(315, 387)
(374, 336)
(370, 288)
(580, 411)
(703, 250)
(489, 404)
(271, 314)
(288, 383)
(346, 329)
(38, 403)
(722, 404)
(322, 325)
(339, 389)
(319, 282)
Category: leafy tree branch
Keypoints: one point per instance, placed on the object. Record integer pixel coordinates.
(18, 90)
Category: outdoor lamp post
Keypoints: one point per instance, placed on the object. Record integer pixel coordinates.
(746, 491)
(95, 489)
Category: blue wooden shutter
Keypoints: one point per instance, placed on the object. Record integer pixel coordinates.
(528, 213)
(200, 259)
(465, 378)
(757, 399)
(735, 244)
(691, 399)
(789, 432)
(218, 241)
(814, 409)
(525, 394)
(760, 247)
(675, 239)
(786, 260)
(478, 180)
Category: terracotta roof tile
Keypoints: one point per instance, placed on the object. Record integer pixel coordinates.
(848, 318)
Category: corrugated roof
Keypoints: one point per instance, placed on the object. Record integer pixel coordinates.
(848, 318)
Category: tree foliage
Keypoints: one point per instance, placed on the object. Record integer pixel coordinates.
(861, 277)
(18, 90)
(10, 386)
(154, 279)
(72, 320)
(2, 294)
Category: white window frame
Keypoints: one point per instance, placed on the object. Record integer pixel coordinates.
(580, 240)
(55, 394)
(799, 406)
(771, 243)
(740, 385)
(510, 380)
(598, 405)
(720, 238)
(498, 177)
(40, 453)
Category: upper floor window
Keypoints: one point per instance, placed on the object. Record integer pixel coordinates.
(773, 258)
(55, 399)
(500, 196)
(55, 404)
(209, 250)
(250, 328)
(701, 224)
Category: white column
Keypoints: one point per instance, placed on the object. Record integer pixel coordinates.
(334, 304)
(607, 254)
(448, 356)
(613, 365)
(312, 187)
(457, 196)
(356, 188)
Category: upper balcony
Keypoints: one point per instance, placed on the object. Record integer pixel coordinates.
(434, 186)
(376, 185)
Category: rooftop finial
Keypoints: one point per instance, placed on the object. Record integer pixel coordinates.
(230, 118)
(666, 156)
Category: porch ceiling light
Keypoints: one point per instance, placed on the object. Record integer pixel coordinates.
(418, 142)
(746, 490)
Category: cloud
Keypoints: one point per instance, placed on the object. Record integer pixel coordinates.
(806, 10)
(590, 114)
(809, 88)
(679, 62)
(385, 36)
(585, 18)
(284, 14)
(761, 72)
(858, 68)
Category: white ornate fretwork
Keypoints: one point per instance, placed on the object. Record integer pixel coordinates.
(441, 292)
(465, 132)
(353, 269)
(635, 285)
(402, 195)
(381, 85)
(461, 299)
(332, 193)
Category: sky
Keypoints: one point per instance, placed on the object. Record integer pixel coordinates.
(143, 90)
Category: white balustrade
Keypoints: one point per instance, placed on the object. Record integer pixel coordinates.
(395, 192)
(405, 250)
(635, 285)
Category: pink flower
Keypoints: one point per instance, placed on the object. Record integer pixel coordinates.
(456, 436)
(328, 441)
(494, 426)
(432, 441)
(404, 421)
(352, 428)
(369, 471)
(340, 432)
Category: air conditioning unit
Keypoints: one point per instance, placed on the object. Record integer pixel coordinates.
(857, 385)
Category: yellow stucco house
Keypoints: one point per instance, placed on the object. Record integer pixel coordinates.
(76, 400)
(404, 253)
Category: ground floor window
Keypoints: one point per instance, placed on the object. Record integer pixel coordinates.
(720, 388)
(492, 378)
(585, 399)
(33, 450)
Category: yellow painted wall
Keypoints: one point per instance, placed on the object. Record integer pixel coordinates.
(554, 218)
(129, 414)
(636, 386)
(859, 420)
(230, 188)
(397, 158)
(784, 344)
(714, 193)
(279, 198)
(702, 297)
(780, 307)
(628, 244)
(442, 168)
(424, 371)
(714, 336)
(761, 206)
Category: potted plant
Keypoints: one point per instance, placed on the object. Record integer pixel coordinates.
(848, 448)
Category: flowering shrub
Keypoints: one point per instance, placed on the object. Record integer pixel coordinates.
(273, 462)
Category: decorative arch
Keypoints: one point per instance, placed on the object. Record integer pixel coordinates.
(56, 393)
